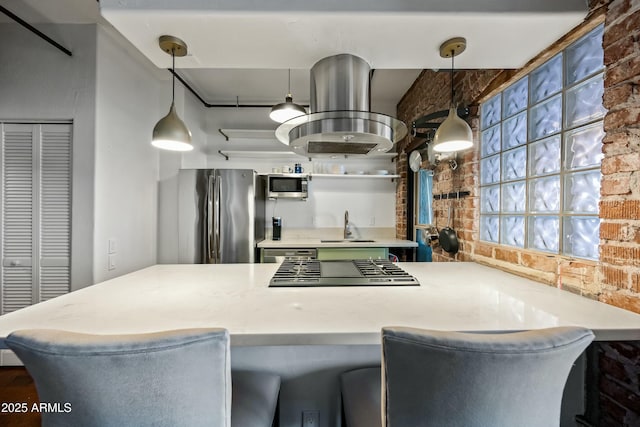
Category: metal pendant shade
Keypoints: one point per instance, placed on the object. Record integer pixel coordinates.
(288, 109)
(454, 134)
(170, 133)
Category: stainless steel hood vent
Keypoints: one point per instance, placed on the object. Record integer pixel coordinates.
(339, 121)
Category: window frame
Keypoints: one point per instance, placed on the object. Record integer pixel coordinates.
(561, 214)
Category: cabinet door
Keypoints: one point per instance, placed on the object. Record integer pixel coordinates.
(36, 213)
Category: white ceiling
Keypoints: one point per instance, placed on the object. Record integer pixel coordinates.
(242, 48)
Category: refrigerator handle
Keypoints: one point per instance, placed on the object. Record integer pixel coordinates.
(216, 230)
(210, 245)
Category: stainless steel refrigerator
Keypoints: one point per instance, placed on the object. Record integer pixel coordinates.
(221, 215)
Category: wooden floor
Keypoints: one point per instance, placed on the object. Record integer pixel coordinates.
(16, 386)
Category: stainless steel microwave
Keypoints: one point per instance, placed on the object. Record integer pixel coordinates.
(287, 185)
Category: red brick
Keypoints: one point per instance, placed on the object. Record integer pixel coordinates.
(622, 118)
(621, 394)
(621, 29)
(622, 163)
(622, 71)
(620, 209)
(509, 255)
(482, 249)
(612, 414)
(624, 351)
(635, 283)
(615, 276)
(541, 262)
(619, 50)
(616, 9)
(615, 97)
(621, 141)
(615, 184)
(613, 368)
(620, 255)
(622, 300)
(612, 231)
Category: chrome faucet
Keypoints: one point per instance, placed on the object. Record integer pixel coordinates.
(347, 227)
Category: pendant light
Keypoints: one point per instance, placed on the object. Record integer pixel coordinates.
(454, 134)
(170, 133)
(286, 110)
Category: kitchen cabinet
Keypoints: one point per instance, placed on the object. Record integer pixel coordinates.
(268, 255)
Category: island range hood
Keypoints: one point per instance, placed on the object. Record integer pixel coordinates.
(339, 120)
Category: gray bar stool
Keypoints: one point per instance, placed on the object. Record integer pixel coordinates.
(170, 378)
(361, 397)
(455, 379)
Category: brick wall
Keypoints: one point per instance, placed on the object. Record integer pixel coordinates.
(620, 190)
(619, 384)
(615, 279)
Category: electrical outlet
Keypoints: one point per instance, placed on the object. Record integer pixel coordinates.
(112, 262)
(112, 246)
(372, 221)
(310, 418)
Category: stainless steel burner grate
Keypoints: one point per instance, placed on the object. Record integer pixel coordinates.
(341, 273)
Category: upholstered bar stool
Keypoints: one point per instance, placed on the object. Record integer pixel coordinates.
(361, 397)
(436, 378)
(171, 378)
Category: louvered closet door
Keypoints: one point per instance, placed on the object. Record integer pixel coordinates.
(55, 211)
(36, 213)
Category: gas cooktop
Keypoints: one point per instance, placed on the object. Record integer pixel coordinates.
(365, 272)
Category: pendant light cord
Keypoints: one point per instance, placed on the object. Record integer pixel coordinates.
(289, 85)
(173, 69)
(452, 55)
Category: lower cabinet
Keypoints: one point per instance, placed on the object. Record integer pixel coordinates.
(325, 254)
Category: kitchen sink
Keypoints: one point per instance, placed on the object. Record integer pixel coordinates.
(347, 241)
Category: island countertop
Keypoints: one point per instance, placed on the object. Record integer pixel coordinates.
(313, 242)
(452, 296)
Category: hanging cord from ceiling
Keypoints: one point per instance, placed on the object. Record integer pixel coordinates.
(35, 31)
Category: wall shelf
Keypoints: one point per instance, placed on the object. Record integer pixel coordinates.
(352, 176)
(258, 154)
(227, 154)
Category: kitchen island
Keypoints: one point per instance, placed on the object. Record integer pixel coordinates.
(451, 296)
(311, 335)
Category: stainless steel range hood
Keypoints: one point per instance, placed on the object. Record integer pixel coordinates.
(339, 121)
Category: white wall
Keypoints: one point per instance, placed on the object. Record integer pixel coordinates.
(129, 101)
(39, 82)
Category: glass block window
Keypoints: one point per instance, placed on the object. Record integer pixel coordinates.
(541, 148)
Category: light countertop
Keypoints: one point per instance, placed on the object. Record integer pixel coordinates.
(452, 296)
(313, 242)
